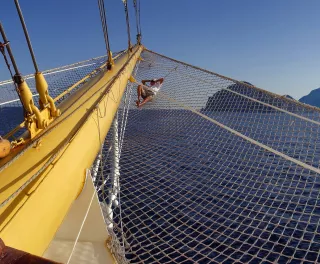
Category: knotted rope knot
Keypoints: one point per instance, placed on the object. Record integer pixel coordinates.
(2, 45)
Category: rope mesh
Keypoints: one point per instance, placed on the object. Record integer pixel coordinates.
(192, 191)
(59, 80)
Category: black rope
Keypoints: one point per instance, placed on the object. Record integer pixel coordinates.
(2, 50)
(104, 26)
(24, 27)
(125, 2)
(136, 4)
(139, 17)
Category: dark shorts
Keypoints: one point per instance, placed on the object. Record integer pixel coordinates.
(146, 93)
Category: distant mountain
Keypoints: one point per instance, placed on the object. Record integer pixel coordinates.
(225, 100)
(313, 98)
(236, 98)
(288, 96)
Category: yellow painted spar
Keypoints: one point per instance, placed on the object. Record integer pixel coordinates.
(58, 161)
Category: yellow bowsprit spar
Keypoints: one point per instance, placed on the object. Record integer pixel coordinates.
(41, 181)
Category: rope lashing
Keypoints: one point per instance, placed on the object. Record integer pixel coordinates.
(136, 4)
(105, 31)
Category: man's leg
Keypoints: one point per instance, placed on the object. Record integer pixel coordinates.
(145, 100)
(139, 92)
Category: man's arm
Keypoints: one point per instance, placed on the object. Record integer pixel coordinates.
(145, 81)
(160, 80)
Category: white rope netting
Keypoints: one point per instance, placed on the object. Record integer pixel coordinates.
(59, 80)
(213, 171)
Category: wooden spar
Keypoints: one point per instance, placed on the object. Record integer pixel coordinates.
(59, 160)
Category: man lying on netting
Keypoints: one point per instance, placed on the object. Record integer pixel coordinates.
(147, 92)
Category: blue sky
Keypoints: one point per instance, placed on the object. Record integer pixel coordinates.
(272, 44)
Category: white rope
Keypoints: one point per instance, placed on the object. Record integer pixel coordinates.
(68, 69)
(48, 73)
(94, 191)
(260, 102)
(59, 69)
(126, 110)
(96, 167)
(82, 224)
(250, 98)
(302, 164)
(15, 100)
(122, 132)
